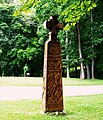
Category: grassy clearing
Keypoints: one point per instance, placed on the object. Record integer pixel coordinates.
(76, 81)
(37, 81)
(76, 108)
(21, 81)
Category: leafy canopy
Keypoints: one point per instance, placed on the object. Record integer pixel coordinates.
(68, 11)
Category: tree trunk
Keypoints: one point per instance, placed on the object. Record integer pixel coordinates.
(93, 69)
(88, 72)
(82, 74)
(67, 56)
(68, 72)
(76, 72)
(93, 61)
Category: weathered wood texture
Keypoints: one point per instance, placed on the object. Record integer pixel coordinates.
(52, 78)
(52, 95)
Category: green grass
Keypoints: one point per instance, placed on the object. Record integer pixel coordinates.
(37, 81)
(76, 81)
(76, 108)
(21, 81)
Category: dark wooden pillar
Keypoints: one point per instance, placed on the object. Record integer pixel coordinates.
(52, 96)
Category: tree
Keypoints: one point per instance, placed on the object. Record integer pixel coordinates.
(67, 55)
(82, 74)
(19, 43)
(93, 61)
(97, 36)
(69, 12)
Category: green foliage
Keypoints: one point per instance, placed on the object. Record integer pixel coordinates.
(18, 42)
(46, 8)
(22, 37)
(69, 11)
(74, 10)
(71, 49)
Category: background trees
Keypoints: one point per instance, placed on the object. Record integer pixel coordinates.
(19, 43)
(22, 38)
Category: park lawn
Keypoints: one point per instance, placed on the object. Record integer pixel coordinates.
(76, 108)
(21, 81)
(77, 81)
(37, 81)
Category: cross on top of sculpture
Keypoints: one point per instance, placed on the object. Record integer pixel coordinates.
(53, 25)
(52, 73)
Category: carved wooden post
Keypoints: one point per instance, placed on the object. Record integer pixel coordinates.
(52, 96)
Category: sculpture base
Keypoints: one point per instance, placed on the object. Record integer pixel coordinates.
(52, 97)
(55, 113)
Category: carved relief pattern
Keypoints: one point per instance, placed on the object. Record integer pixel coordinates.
(54, 63)
(54, 91)
(52, 79)
(54, 48)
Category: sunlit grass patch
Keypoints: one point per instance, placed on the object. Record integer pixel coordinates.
(38, 81)
(76, 108)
